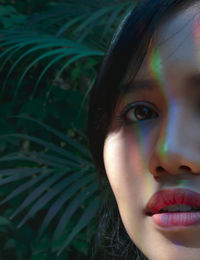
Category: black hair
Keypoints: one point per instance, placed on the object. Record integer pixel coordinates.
(123, 60)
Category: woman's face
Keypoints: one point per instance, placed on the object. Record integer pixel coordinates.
(154, 141)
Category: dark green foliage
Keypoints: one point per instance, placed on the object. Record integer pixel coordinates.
(50, 52)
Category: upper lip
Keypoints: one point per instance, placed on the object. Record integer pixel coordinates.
(164, 198)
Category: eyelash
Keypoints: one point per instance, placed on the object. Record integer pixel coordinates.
(123, 116)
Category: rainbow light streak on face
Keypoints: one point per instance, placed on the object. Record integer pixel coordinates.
(139, 153)
(139, 165)
(156, 65)
(142, 134)
(197, 39)
(157, 72)
(182, 182)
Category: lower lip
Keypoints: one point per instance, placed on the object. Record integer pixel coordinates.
(176, 219)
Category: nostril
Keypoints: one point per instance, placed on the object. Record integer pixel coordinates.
(185, 168)
(160, 169)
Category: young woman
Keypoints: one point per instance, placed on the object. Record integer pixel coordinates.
(144, 123)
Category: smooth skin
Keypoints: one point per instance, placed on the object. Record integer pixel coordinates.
(155, 145)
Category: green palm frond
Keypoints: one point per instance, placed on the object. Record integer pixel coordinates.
(61, 181)
(60, 37)
(81, 16)
(56, 49)
(85, 219)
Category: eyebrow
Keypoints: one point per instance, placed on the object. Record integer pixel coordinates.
(141, 85)
(191, 83)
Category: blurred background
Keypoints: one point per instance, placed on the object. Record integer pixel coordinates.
(50, 53)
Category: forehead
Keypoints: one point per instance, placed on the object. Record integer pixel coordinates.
(175, 45)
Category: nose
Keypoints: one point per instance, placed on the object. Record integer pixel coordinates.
(177, 145)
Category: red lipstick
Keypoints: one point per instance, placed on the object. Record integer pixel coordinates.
(164, 198)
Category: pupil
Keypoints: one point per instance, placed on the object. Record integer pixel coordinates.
(142, 113)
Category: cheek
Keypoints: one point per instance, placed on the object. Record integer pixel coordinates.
(125, 162)
(127, 174)
(127, 155)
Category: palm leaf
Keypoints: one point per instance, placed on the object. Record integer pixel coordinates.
(77, 145)
(42, 188)
(72, 207)
(89, 213)
(27, 185)
(38, 158)
(69, 211)
(13, 175)
(50, 147)
(69, 24)
(64, 183)
(61, 181)
(78, 29)
(58, 188)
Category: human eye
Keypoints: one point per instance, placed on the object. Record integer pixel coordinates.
(138, 112)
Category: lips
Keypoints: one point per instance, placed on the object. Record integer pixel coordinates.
(169, 197)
